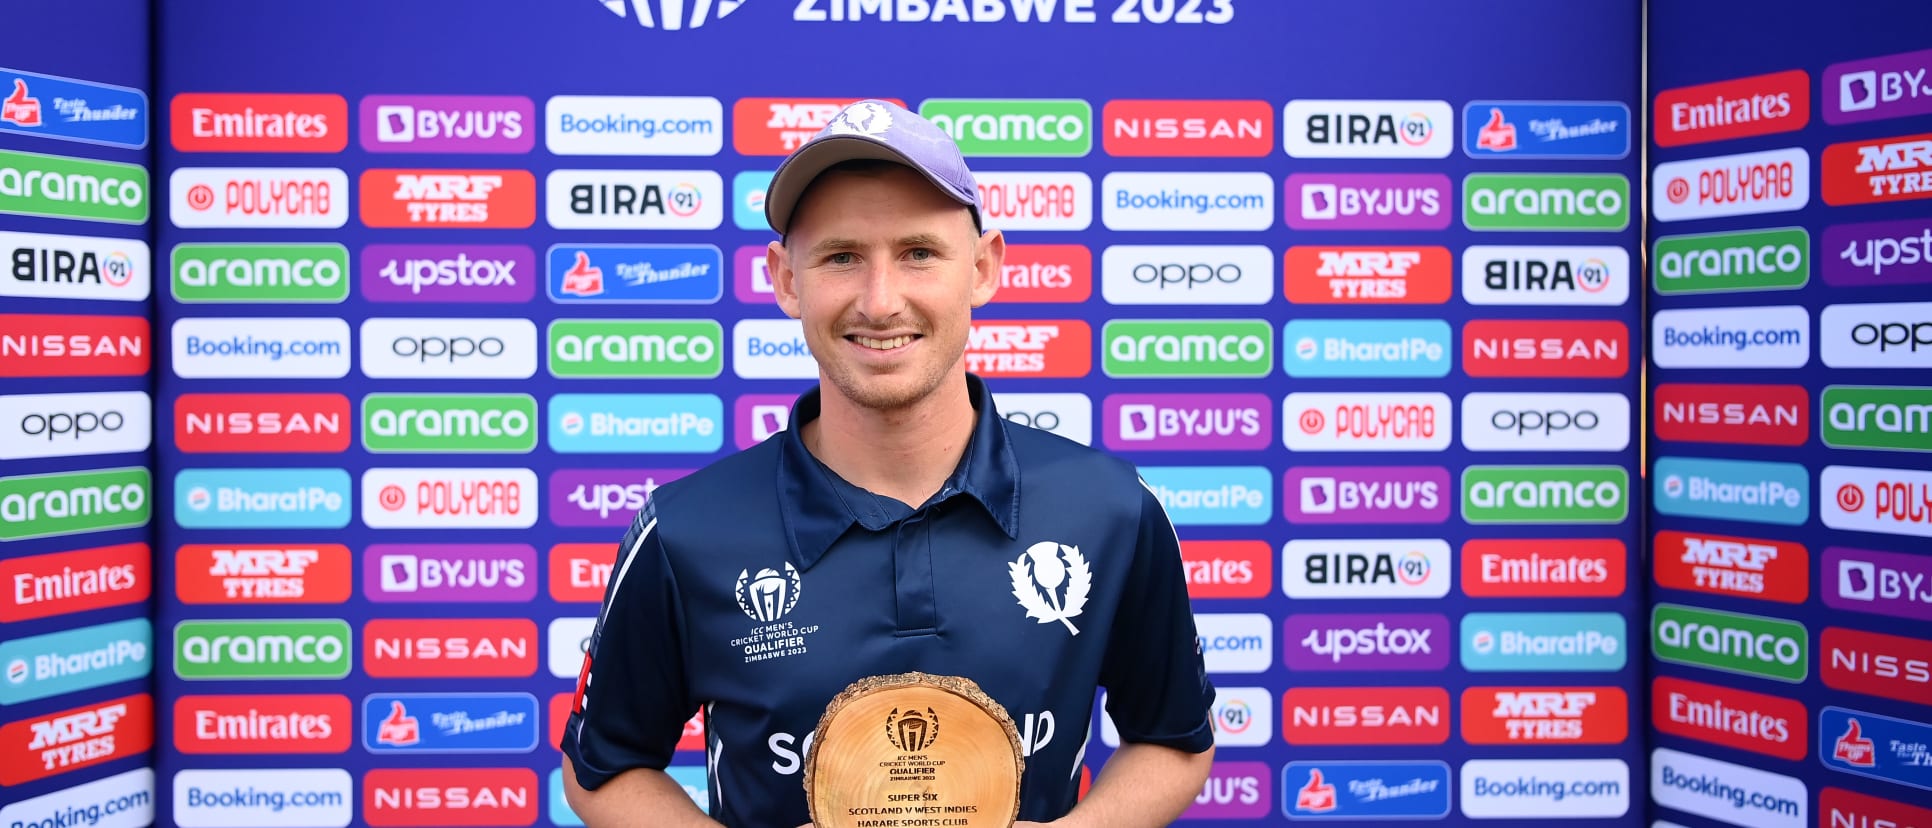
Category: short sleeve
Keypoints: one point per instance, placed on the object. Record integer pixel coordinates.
(1157, 685)
(632, 699)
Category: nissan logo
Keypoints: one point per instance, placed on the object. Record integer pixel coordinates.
(448, 349)
(77, 424)
(1546, 422)
(1187, 275)
(1890, 334)
(1043, 420)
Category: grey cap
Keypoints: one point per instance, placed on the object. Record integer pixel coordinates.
(872, 129)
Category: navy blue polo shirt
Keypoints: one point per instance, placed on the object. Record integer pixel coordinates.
(758, 588)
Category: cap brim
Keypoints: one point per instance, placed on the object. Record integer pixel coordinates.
(803, 167)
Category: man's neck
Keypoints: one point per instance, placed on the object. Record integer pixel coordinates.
(905, 455)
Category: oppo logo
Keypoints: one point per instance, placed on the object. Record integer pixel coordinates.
(64, 425)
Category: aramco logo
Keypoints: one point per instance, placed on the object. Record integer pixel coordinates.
(672, 14)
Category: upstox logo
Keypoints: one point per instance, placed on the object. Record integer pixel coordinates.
(279, 273)
(32, 184)
(1730, 642)
(69, 503)
(1014, 128)
(1876, 417)
(625, 349)
(1552, 201)
(1187, 348)
(1545, 494)
(1747, 490)
(1775, 259)
(317, 648)
(441, 423)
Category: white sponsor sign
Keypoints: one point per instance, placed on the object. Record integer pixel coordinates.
(1187, 201)
(124, 800)
(260, 348)
(1242, 717)
(1772, 181)
(1886, 335)
(1366, 422)
(1068, 415)
(70, 425)
(1236, 642)
(49, 266)
(400, 348)
(1560, 788)
(634, 199)
(1365, 568)
(1892, 501)
(630, 125)
(568, 639)
(1368, 129)
(1545, 422)
(1545, 275)
(1777, 336)
(771, 349)
(231, 798)
(449, 498)
(258, 197)
(1035, 200)
(1726, 792)
(1187, 274)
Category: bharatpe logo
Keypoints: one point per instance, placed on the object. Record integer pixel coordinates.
(449, 423)
(1879, 253)
(1191, 348)
(1748, 260)
(636, 423)
(70, 503)
(1545, 494)
(1555, 641)
(448, 273)
(1367, 348)
(261, 498)
(1549, 201)
(1211, 495)
(1746, 490)
(640, 273)
(32, 184)
(1889, 418)
(1014, 128)
(635, 349)
(49, 266)
(56, 664)
(1730, 642)
(267, 273)
(634, 199)
(262, 649)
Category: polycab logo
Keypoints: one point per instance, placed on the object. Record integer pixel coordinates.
(1366, 275)
(1738, 108)
(1545, 715)
(1366, 494)
(44, 265)
(1567, 348)
(62, 583)
(1893, 86)
(37, 345)
(1187, 422)
(579, 572)
(249, 197)
(1760, 723)
(258, 423)
(449, 798)
(1068, 415)
(449, 198)
(76, 738)
(1876, 664)
(1771, 181)
(632, 125)
(776, 126)
(1317, 421)
(1882, 583)
(1871, 254)
(1577, 276)
(67, 662)
(1767, 570)
(1227, 569)
(1368, 129)
(450, 648)
(216, 573)
(1187, 275)
(1553, 641)
(1757, 415)
(73, 425)
(1543, 568)
(218, 122)
(262, 724)
(448, 273)
(1545, 422)
(1365, 716)
(1037, 200)
(1889, 501)
(1887, 335)
(1365, 568)
(1379, 642)
(756, 418)
(1839, 807)
(442, 348)
(1234, 790)
(1038, 273)
(1328, 201)
(1537, 130)
(472, 573)
(447, 123)
(605, 498)
(1057, 348)
(634, 199)
(1187, 129)
(449, 498)
(1877, 170)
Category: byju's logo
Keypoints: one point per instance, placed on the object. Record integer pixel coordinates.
(640, 274)
(606, 498)
(1545, 129)
(1234, 790)
(1367, 642)
(448, 273)
(1893, 86)
(261, 498)
(1556, 641)
(756, 417)
(1212, 495)
(1188, 422)
(1367, 348)
(447, 123)
(1730, 642)
(1326, 201)
(449, 723)
(1882, 583)
(490, 572)
(636, 423)
(1746, 490)
(1366, 494)
(1356, 790)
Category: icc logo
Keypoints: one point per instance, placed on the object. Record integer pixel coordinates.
(912, 732)
(672, 14)
(770, 596)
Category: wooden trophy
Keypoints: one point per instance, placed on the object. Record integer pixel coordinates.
(914, 750)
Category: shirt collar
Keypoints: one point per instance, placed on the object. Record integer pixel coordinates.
(818, 506)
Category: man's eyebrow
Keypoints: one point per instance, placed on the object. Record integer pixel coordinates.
(832, 245)
(922, 240)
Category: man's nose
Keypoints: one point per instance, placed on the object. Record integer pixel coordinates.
(882, 293)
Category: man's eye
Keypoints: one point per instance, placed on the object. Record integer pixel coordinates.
(841, 258)
(921, 254)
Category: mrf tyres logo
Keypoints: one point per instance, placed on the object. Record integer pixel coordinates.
(1545, 494)
(1751, 645)
(76, 738)
(262, 649)
(1199, 348)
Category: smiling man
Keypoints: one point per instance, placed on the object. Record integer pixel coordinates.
(899, 525)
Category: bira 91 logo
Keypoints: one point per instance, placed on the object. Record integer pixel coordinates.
(1365, 568)
(1771, 181)
(1767, 570)
(1187, 129)
(1513, 275)
(1877, 170)
(1325, 421)
(1882, 583)
(1889, 501)
(1366, 494)
(75, 738)
(634, 199)
(776, 126)
(1757, 415)
(1365, 716)
(280, 197)
(1760, 723)
(1227, 569)
(1543, 568)
(257, 423)
(450, 648)
(1398, 641)
(449, 498)
(449, 798)
(1058, 348)
(235, 122)
(579, 572)
(262, 724)
(215, 573)
(1368, 129)
(1566, 348)
(1545, 715)
(42, 586)
(476, 573)
(1366, 275)
(44, 265)
(449, 198)
(1738, 108)
(1876, 664)
(1042, 273)
(36, 345)
(1328, 201)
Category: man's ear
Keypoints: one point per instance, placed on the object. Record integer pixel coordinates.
(784, 284)
(988, 259)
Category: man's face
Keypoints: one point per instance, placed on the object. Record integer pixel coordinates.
(884, 271)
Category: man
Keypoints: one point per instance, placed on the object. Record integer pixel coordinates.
(900, 524)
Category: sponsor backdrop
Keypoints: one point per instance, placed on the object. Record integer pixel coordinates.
(1791, 342)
